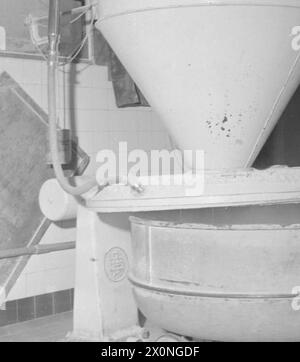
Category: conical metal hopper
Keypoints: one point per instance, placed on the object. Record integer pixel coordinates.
(219, 73)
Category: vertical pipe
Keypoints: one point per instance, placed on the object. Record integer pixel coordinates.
(53, 20)
(90, 31)
(53, 36)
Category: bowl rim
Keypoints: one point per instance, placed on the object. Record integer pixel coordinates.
(198, 226)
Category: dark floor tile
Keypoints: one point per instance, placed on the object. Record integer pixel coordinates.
(44, 305)
(26, 309)
(3, 318)
(62, 301)
(9, 315)
(12, 313)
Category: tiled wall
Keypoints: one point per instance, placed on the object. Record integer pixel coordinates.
(86, 101)
(29, 308)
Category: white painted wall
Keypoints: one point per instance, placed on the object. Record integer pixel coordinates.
(99, 124)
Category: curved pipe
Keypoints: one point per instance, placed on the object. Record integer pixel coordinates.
(53, 34)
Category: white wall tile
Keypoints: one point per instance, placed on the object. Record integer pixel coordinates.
(92, 76)
(99, 124)
(65, 258)
(14, 68)
(31, 71)
(35, 284)
(58, 279)
(91, 98)
(19, 289)
(92, 120)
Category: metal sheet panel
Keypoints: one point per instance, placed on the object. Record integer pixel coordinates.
(23, 156)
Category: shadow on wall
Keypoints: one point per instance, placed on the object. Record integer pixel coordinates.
(283, 145)
(127, 93)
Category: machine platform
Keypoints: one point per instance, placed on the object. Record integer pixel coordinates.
(276, 185)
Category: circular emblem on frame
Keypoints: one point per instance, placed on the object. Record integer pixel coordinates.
(116, 264)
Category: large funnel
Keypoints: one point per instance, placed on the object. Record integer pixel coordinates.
(219, 73)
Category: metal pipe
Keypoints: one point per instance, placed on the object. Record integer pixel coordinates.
(37, 249)
(90, 31)
(80, 9)
(53, 35)
(53, 20)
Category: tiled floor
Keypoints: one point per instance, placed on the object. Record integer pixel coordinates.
(49, 329)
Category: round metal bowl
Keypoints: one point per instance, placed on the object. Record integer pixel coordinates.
(231, 283)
